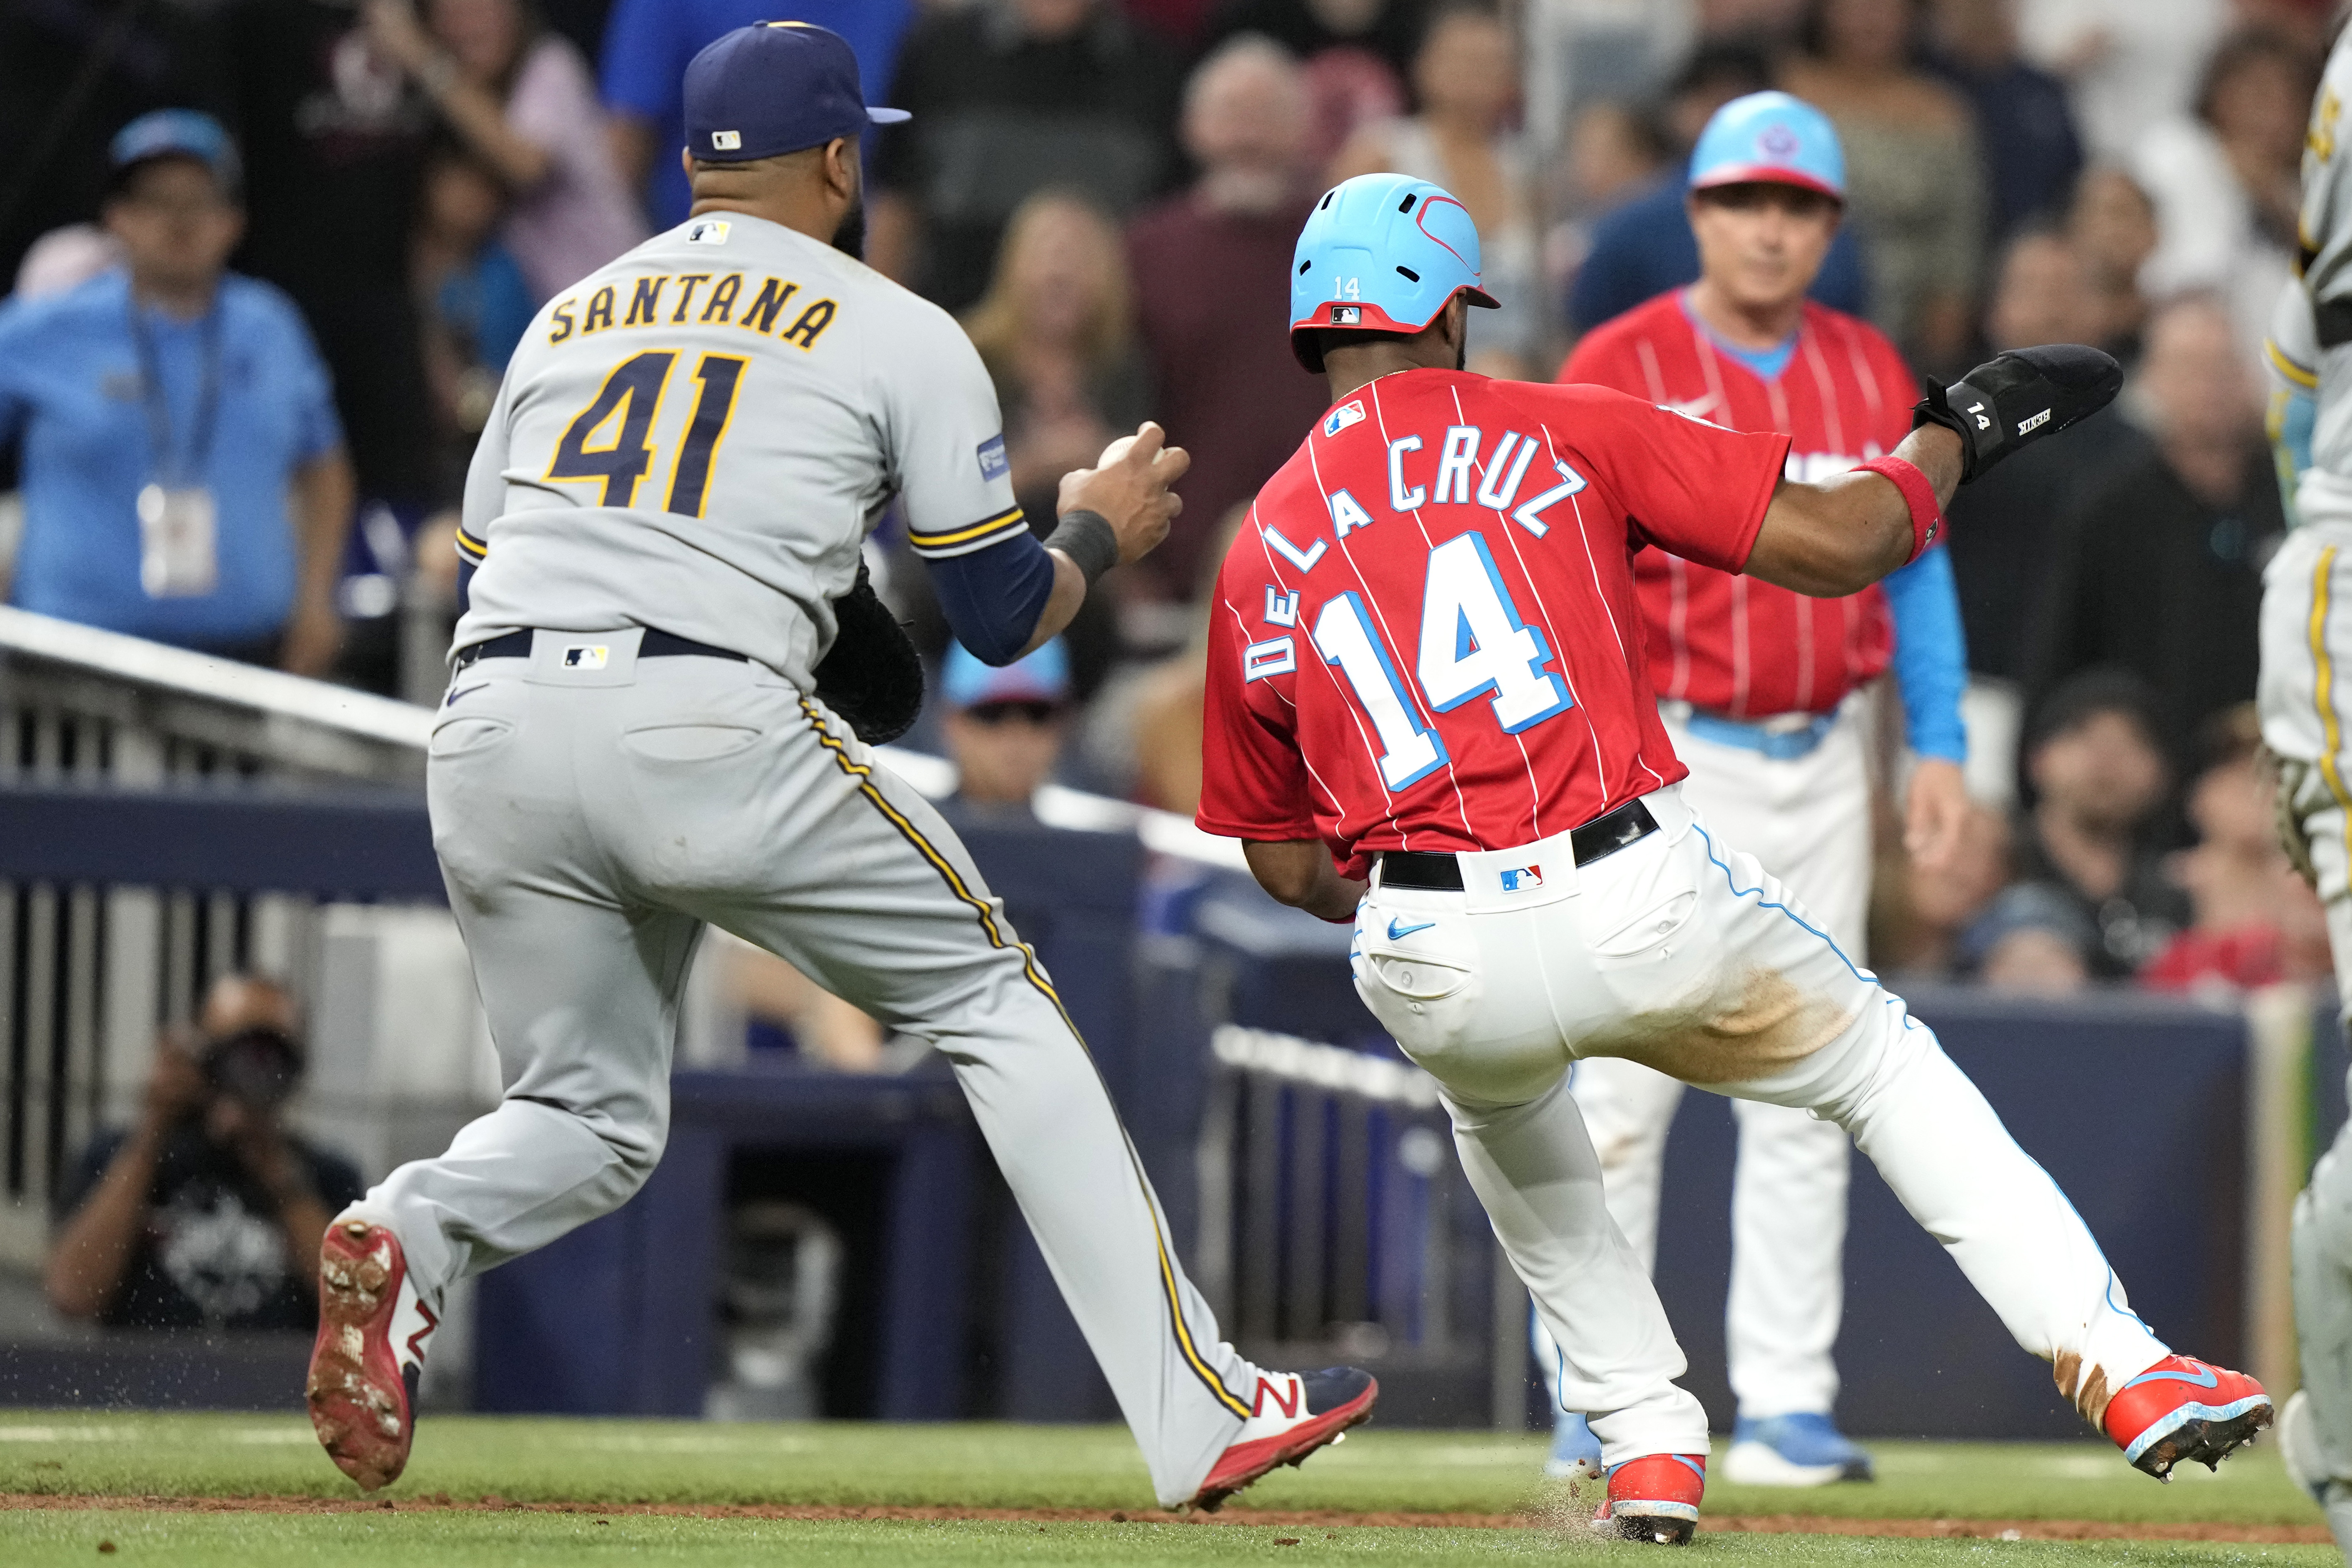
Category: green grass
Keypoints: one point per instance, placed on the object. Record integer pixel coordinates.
(576, 1540)
(613, 1462)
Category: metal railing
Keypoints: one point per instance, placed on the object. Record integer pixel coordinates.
(86, 974)
(1335, 1219)
(89, 973)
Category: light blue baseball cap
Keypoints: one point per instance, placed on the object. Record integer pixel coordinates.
(1040, 677)
(178, 133)
(1769, 138)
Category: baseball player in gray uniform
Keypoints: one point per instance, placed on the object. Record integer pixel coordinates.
(2306, 636)
(667, 508)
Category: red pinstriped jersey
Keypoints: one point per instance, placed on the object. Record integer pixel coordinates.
(1426, 636)
(1734, 645)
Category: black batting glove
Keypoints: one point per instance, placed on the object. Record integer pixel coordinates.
(2019, 397)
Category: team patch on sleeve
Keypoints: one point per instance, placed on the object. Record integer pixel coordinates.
(975, 536)
(993, 464)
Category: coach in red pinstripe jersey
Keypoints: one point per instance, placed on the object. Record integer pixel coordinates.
(1760, 687)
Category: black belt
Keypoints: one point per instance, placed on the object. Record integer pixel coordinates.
(1604, 835)
(656, 644)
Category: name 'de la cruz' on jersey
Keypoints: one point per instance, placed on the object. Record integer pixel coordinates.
(1730, 645)
(1426, 635)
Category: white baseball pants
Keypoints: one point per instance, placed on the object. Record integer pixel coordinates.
(1684, 955)
(1811, 815)
(2306, 635)
(590, 821)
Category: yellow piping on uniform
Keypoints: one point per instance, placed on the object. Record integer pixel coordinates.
(963, 535)
(2323, 689)
(2306, 379)
(912, 834)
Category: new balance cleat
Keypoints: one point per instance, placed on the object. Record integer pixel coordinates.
(1655, 1498)
(369, 1353)
(1294, 1414)
(2184, 1409)
(1801, 1450)
(1575, 1451)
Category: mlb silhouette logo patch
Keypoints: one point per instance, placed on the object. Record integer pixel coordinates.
(1347, 315)
(1346, 414)
(1522, 878)
(586, 656)
(707, 231)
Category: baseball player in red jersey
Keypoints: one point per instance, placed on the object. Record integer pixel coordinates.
(1429, 711)
(1758, 687)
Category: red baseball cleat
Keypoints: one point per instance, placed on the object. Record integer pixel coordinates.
(2184, 1409)
(1655, 1498)
(372, 1326)
(1296, 1414)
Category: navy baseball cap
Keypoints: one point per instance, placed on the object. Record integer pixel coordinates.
(177, 134)
(772, 88)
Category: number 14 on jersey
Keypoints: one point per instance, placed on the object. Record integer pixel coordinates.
(1473, 643)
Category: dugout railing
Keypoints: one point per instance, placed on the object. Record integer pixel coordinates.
(1334, 1220)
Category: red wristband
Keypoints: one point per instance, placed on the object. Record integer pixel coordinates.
(1927, 516)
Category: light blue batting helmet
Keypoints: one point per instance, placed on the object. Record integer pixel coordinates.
(1380, 253)
(1773, 139)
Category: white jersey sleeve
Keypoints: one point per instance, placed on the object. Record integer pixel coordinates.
(2291, 367)
(2325, 489)
(943, 424)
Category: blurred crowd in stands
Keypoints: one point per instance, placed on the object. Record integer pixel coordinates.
(1107, 194)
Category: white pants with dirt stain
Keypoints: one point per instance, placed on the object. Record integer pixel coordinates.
(1810, 815)
(1682, 953)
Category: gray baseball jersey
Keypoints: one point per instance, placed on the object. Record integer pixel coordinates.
(698, 437)
(2325, 493)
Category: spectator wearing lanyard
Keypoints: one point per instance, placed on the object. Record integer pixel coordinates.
(182, 467)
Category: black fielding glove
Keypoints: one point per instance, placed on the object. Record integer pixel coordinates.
(2020, 396)
(872, 676)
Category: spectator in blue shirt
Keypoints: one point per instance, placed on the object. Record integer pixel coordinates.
(184, 473)
(647, 44)
(1646, 246)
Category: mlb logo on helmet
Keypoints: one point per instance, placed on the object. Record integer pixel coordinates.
(1522, 878)
(1347, 315)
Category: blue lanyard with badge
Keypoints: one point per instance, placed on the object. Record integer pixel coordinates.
(178, 523)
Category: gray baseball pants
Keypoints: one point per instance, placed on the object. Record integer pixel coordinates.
(591, 821)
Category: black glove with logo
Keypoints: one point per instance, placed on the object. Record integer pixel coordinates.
(2020, 396)
(872, 676)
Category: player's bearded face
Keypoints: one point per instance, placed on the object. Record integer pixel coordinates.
(849, 235)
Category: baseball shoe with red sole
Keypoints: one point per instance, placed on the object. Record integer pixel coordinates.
(372, 1326)
(1294, 1414)
(2184, 1409)
(1655, 1498)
